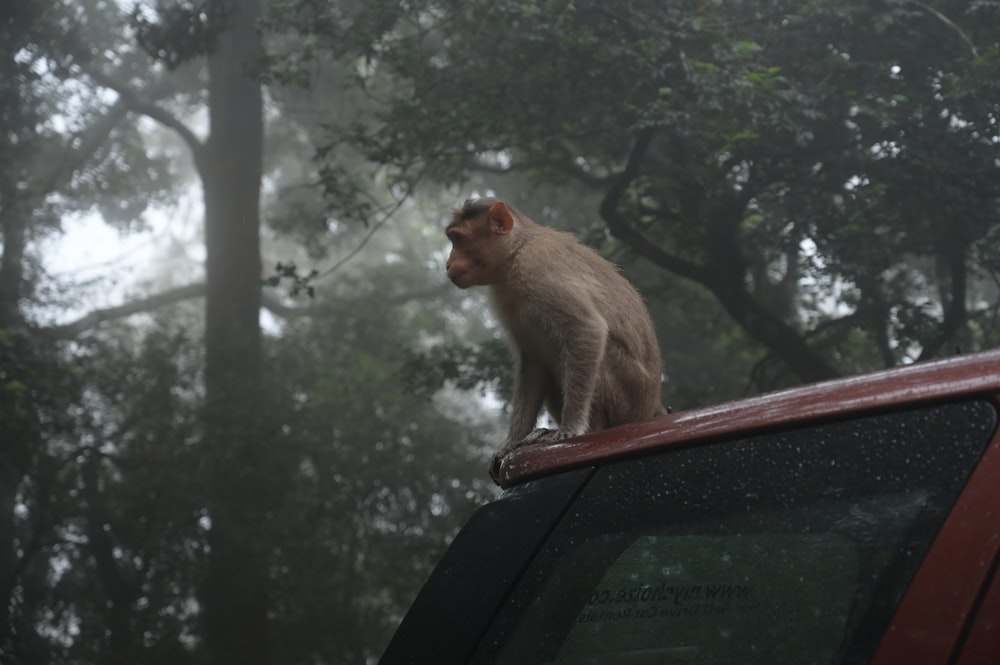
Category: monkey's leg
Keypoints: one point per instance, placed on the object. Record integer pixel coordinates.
(581, 359)
(545, 435)
(530, 386)
(538, 435)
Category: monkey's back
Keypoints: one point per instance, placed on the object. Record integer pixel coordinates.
(610, 294)
(577, 281)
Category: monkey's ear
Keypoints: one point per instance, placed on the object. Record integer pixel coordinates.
(501, 221)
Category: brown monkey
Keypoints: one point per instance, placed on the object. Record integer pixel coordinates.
(584, 345)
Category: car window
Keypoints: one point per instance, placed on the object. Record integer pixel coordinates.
(792, 547)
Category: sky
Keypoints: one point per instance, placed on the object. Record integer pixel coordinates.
(106, 267)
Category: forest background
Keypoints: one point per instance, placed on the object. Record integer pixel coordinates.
(251, 445)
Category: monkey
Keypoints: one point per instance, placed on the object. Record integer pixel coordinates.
(583, 343)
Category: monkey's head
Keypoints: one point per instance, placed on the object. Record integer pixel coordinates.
(480, 235)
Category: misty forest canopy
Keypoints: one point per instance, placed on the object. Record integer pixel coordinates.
(825, 170)
(800, 190)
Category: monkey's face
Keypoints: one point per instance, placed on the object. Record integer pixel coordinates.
(475, 253)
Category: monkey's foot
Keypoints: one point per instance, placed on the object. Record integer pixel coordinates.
(495, 468)
(537, 436)
(534, 437)
(544, 435)
(540, 435)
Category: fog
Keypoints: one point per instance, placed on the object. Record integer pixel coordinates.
(242, 409)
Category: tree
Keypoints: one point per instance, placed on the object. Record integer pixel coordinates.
(237, 434)
(230, 164)
(174, 488)
(825, 170)
(383, 478)
(53, 164)
(243, 479)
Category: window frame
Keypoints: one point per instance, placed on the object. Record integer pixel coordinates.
(964, 548)
(937, 610)
(946, 528)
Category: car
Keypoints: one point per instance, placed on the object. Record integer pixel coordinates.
(846, 522)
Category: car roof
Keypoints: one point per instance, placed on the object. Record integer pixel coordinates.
(924, 382)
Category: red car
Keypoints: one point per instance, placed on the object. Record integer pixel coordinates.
(848, 522)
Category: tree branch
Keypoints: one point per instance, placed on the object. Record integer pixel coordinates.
(725, 281)
(149, 304)
(621, 229)
(132, 102)
(955, 311)
(948, 22)
(586, 178)
(188, 292)
(90, 141)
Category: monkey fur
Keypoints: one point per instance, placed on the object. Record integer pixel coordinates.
(583, 343)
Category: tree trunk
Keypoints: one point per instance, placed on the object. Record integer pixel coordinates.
(235, 594)
(17, 437)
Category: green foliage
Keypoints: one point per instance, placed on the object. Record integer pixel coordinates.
(140, 483)
(759, 151)
(826, 170)
(366, 485)
(485, 367)
(176, 31)
(382, 481)
(111, 495)
(35, 386)
(299, 283)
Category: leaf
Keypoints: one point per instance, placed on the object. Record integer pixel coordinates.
(747, 47)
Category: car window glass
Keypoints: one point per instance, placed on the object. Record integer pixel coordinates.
(793, 546)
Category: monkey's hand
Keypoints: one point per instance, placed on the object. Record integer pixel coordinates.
(543, 435)
(540, 435)
(498, 456)
(509, 445)
(495, 463)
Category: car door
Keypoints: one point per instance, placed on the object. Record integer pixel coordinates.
(808, 544)
(791, 546)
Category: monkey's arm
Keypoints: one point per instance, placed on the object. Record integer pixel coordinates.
(530, 384)
(582, 354)
(529, 394)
